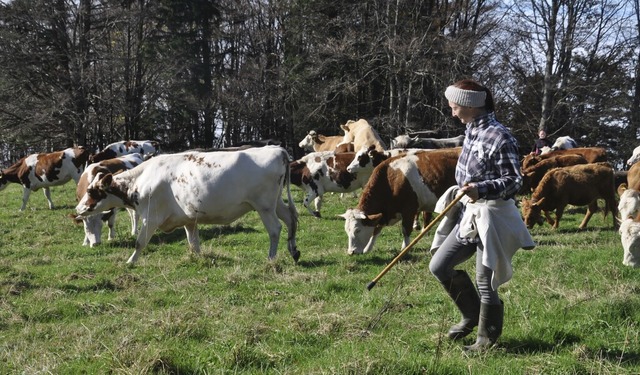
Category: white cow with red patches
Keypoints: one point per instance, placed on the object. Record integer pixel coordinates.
(191, 188)
(145, 148)
(93, 223)
(41, 171)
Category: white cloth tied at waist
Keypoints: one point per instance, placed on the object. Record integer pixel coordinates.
(498, 224)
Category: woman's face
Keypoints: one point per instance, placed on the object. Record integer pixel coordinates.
(465, 114)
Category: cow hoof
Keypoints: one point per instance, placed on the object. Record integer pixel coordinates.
(296, 256)
(317, 214)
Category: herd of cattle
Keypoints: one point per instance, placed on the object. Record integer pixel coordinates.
(168, 191)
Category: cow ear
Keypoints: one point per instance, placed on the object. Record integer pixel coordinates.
(105, 181)
(538, 202)
(374, 218)
(621, 188)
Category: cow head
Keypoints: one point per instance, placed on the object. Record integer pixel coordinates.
(307, 142)
(629, 205)
(531, 212)
(360, 230)
(101, 195)
(360, 159)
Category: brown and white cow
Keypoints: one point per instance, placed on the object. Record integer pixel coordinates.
(592, 154)
(145, 148)
(531, 176)
(322, 172)
(361, 134)
(368, 158)
(578, 185)
(93, 224)
(191, 188)
(629, 203)
(314, 142)
(41, 171)
(397, 190)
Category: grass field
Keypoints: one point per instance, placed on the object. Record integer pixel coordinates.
(571, 308)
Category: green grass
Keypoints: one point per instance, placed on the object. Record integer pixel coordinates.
(571, 308)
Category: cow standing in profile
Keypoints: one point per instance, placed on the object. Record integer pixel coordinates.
(41, 171)
(191, 188)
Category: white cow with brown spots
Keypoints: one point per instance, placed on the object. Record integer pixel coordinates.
(192, 188)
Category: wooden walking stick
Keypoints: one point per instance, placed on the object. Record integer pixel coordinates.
(415, 240)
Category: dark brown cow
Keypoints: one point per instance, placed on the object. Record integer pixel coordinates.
(592, 154)
(321, 172)
(531, 176)
(398, 188)
(578, 185)
(41, 171)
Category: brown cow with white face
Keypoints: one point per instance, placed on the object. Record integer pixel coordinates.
(398, 188)
(41, 171)
(578, 185)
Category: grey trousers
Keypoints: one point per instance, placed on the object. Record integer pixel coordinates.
(450, 254)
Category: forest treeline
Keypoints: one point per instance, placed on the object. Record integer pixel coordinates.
(201, 74)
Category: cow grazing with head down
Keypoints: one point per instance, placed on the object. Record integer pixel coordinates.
(41, 171)
(314, 142)
(578, 185)
(531, 176)
(191, 188)
(592, 154)
(361, 134)
(397, 190)
(405, 141)
(321, 172)
(145, 148)
(93, 224)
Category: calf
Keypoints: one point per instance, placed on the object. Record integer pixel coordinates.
(578, 185)
(592, 154)
(321, 172)
(191, 188)
(404, 141)
(398, 188)
(531, 176)
(45, 170)
(93, 224)
(145, 148)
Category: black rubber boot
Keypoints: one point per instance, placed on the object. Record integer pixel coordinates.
(463, 292)
(489, 327)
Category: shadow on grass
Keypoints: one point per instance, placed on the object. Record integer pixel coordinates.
(535, 346)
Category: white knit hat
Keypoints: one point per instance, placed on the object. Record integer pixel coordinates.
(465, 98)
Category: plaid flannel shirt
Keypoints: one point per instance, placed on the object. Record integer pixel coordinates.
(490, 159)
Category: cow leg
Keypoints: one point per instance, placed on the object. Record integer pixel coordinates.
(134, 221)
(144, 235)
(289, 216)
(312, 196)
(193, 237)
(591, 209)
(559, 212)
(547, 215)
(318, 204)
(111, 223)
(274, 227)
(47, 194)
(26, 192)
